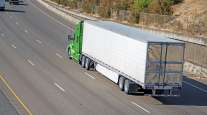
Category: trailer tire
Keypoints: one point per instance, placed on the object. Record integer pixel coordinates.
(121, 83)
(126, 86)
(83, 59)
(87, 63)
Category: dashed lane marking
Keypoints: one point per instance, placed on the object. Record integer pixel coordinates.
(26, 31)
(13, 46)
(60, 56)
(38, 41)
(90, 76)
(30, 62)
(140, 107)
(59, 87)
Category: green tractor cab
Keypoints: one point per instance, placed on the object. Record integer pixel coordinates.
(74, 48)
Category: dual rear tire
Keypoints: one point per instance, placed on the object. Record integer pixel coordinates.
(86, 62)
(124, 84)
(83, 59)
(121, 83)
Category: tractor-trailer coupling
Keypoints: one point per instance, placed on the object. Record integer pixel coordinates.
(136, 60)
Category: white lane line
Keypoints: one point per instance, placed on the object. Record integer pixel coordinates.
(38, 41)
(57, 54)
(90, 76)
(58, 86)
(201, 89)
(30, 62)
(26, 31)
(52, 17)
(13, 46)
(140, 107)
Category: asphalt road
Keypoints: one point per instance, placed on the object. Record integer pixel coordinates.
(6, 107)
(34, 62)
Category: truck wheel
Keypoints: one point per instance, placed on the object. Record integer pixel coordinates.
(121, 83)
(87, 63)
(69, 54)
(83, 58)
(126, 86)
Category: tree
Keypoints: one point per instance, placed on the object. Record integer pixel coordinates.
(136, 7)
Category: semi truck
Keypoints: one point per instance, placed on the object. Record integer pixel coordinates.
(137, 61)
(2, 4)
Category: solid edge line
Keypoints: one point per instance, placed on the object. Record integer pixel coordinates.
(14, 94)
(140, 107)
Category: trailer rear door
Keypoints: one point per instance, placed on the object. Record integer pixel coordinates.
(165, 64)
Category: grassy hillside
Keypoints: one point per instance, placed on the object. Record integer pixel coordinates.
(180, 16)
(112, 8)
(193, 16)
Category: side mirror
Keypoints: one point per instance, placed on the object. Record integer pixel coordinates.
(70, 37)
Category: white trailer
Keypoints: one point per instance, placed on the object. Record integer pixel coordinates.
(2, 4)
(136, 60)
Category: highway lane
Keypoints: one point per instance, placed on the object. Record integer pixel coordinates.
(40, 85)
(33, 60)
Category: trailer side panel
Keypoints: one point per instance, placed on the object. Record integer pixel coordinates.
(120, 52)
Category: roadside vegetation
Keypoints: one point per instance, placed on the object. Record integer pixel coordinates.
(186, 17)
(128, 8)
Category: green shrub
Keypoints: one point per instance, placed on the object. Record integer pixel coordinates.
(161, 7)
(136, 7)
(105, 7)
